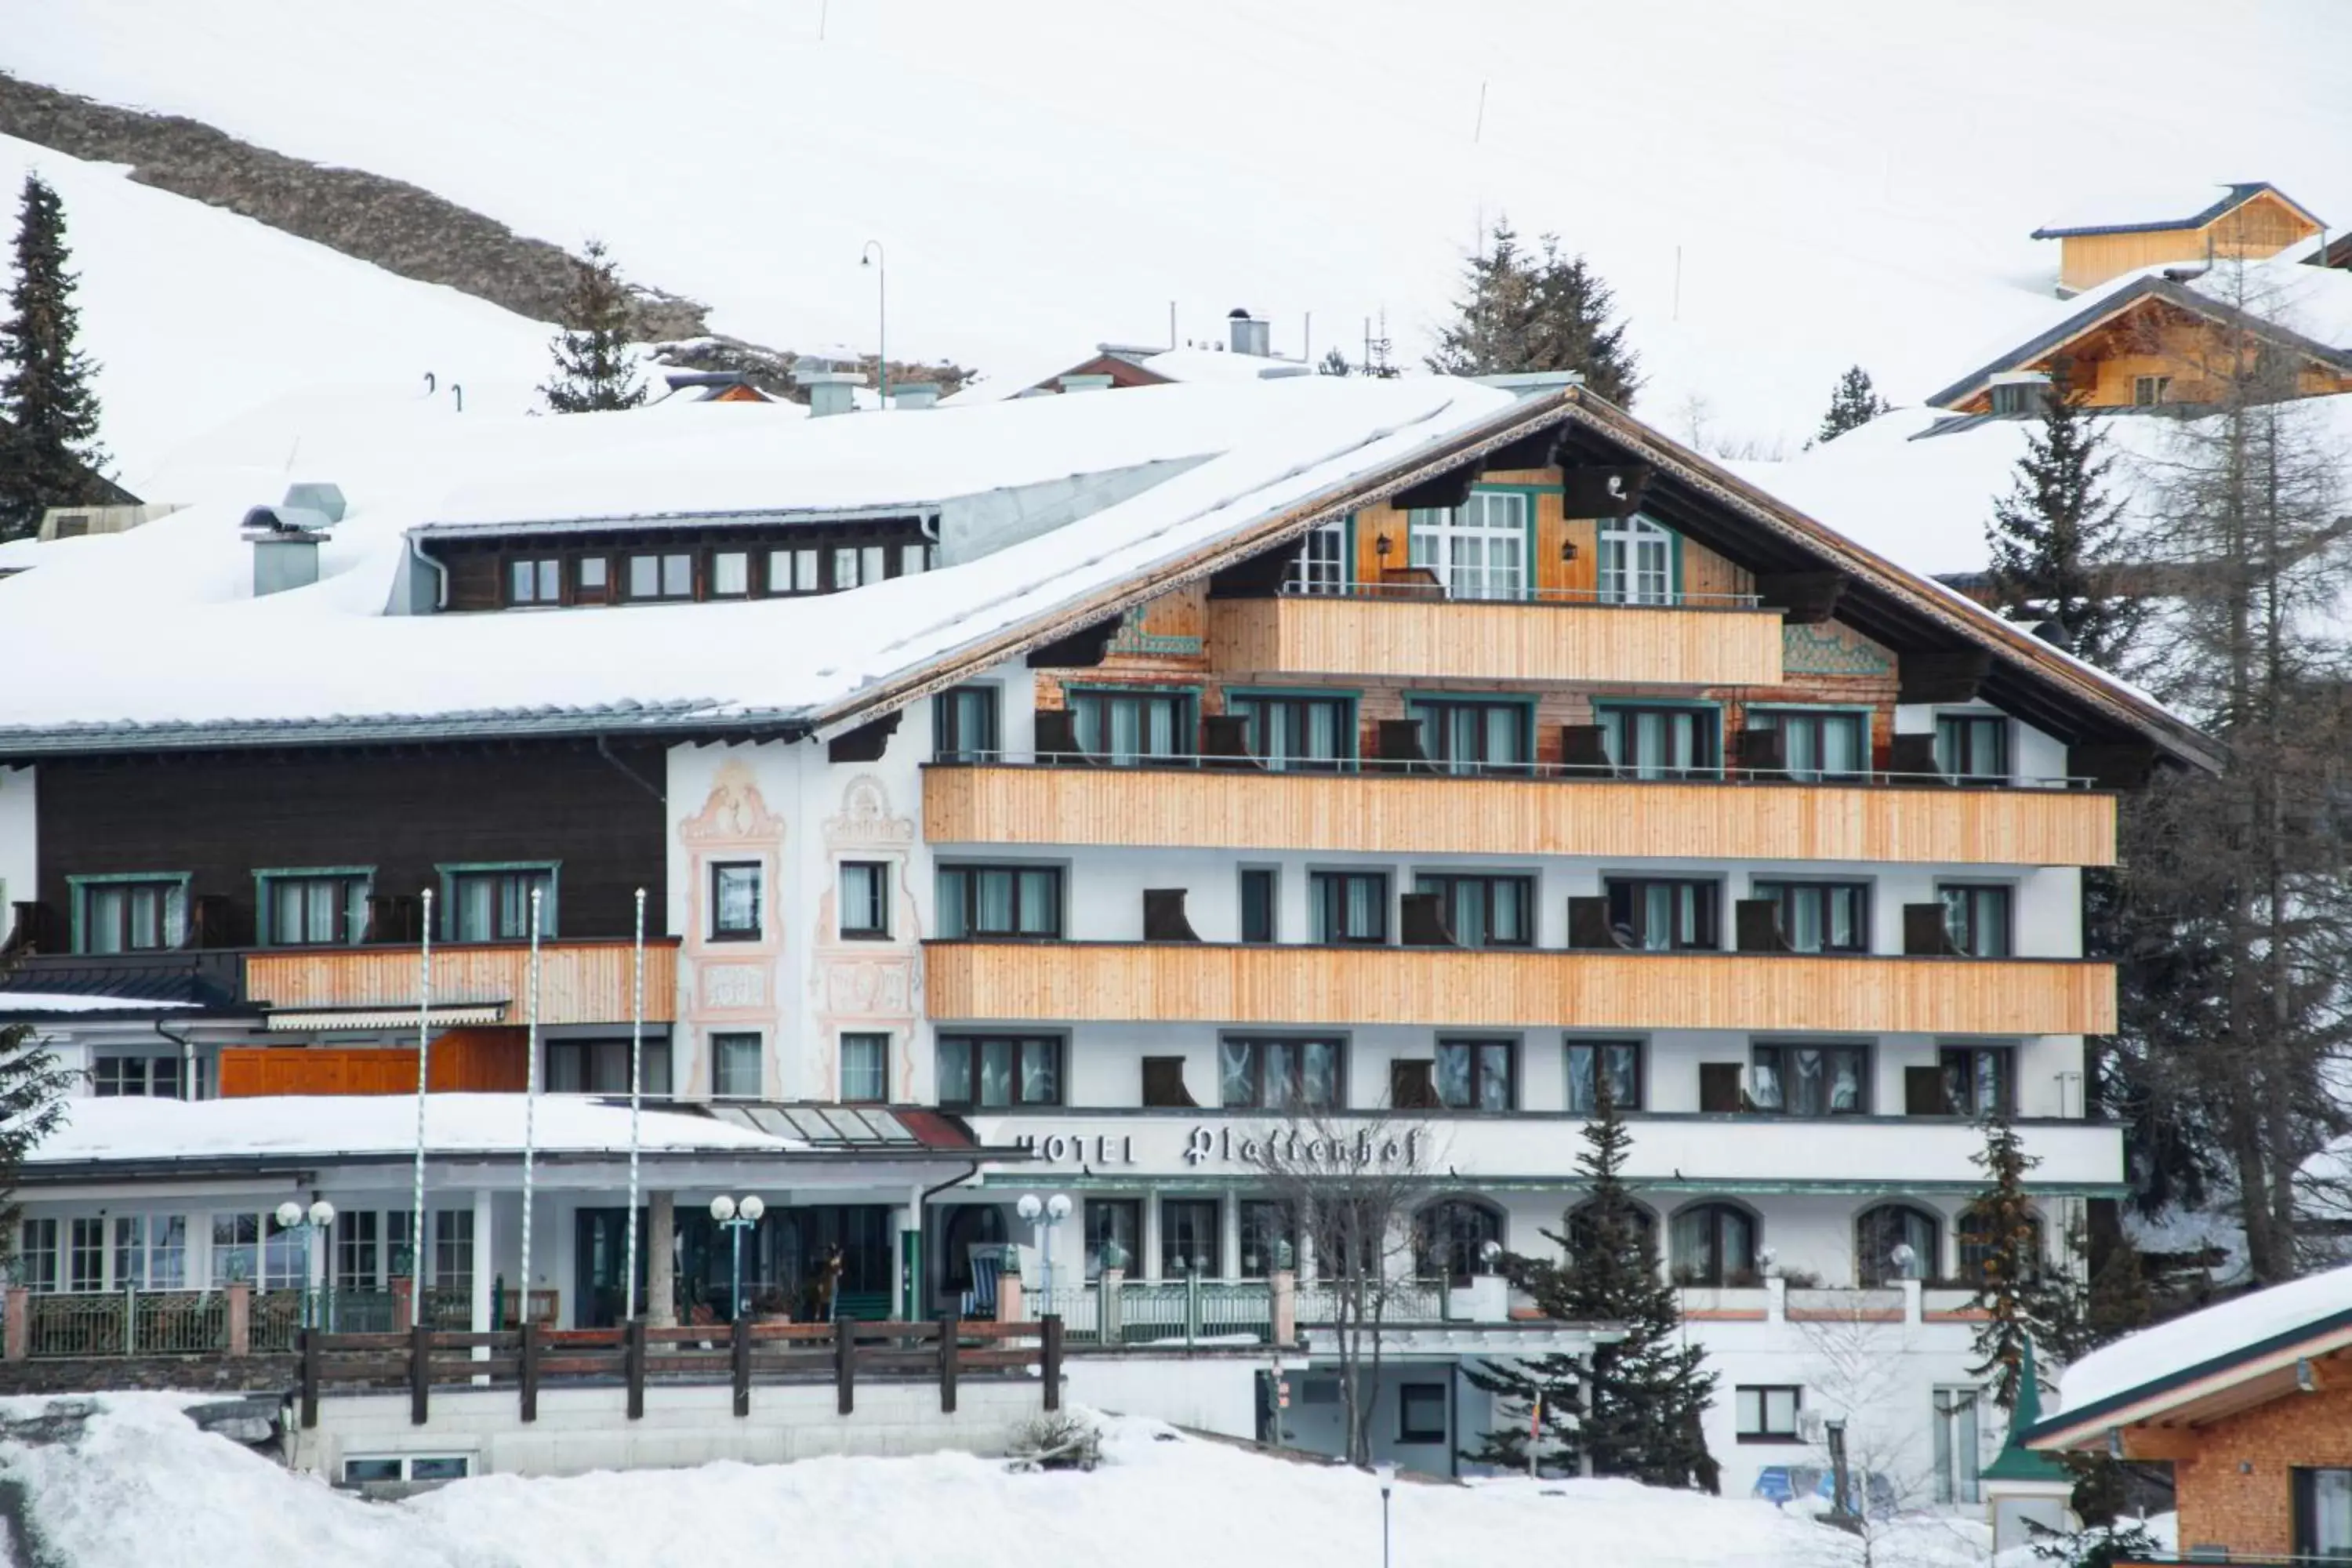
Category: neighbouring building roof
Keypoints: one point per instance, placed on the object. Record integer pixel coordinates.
(120, 982)
(2130, 215)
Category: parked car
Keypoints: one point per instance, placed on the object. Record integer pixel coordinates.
(1859, 1484)
(1780, 1484)
(1776, 1484)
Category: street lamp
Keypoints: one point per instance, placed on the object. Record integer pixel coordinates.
(1386, 1474)
(315, 1219)
(1045, 1213)
(737, 1217)
(874, 256)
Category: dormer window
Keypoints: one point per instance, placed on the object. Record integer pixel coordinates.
(667, 564)
(535, 581)
(668, 576)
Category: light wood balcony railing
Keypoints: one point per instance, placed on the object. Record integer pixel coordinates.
(1420, 813)
(1730, 643)
(978, 981)
(581, 982)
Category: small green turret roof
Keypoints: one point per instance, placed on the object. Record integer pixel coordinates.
(2017, 1462)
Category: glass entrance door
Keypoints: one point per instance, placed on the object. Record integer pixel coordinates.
(600, 1249)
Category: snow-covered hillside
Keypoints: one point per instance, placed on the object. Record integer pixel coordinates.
(1777, 190)
(139, 1485)
(197, 315)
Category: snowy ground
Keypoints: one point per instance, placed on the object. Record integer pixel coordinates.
(138, 1485)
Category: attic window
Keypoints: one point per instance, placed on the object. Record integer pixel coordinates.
(2148, 391)
(2018, 398)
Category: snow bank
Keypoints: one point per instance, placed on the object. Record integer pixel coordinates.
(2202, 1336)
(138, 1485)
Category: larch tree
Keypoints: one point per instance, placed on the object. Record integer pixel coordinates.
(49, 453)
(1637, 1409)
(595, 369)
(1853, 403)
(1538, 311)
(2058, 538)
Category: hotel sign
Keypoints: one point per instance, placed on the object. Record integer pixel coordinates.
(1287, 1148)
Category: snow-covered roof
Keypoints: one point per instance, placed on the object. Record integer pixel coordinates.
(2127, 211)
(1221, 365)
(34, 1001)
(2183, 1353)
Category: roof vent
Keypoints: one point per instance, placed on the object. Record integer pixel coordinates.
(319, 498)
(914, 395)
(286, 537)
(1250, 335)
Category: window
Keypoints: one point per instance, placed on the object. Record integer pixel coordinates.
(1660, 742)
(1821, 917)
(1637, 562)
(86, 1255)
(237, 1248)
(535, 581)
(1714, 1243)
(313, 908)
(1421, 1413)
(1976, 915)
(1114, 1231)
(963, 724)
(1476, 1075)
(453, 1252)
(1957, 1454)
(601, 1067)
(1000, 900)
(1986, 1253)
(1465, 736)
(665, 576)
(2148, 391)
(1315, 733)
(1817, 744)
(418, 1467)
(735, 1066)
(133, 1078)
(492, 904)
(591, 579)
(132, 914)
(1131, 727)
(993, 1072)
(1476, 550)
(1484, 912)
(1972, 747)
(1261, 890)
(730, 573)
(1322, 567)
(855, 565)
(1895, 1241)
(1812, 1080)
(1277, 1074)
(1450, 1238)
(285, 1255)
(1588, 1061)
(735, 887)
(151, 1252)
(1188, 1237)
(2322, 1512)
(1658, 913)
(1348, 906)
(2018, 398)
(37, 1254)
(1978, 1081)
(357, 1255)
(914, 559)
(864, 1068)
(1768, 1412)
(793, 572)
(1269, 1239)
(865, 899)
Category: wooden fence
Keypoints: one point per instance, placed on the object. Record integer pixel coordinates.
(635, 1354)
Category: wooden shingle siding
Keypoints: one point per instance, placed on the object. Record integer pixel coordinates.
(1387, 814)
(1406, 638)
(1144, 981)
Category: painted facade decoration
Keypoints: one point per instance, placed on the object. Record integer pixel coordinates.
(868, 984)
(1833, 648)
(729, 986)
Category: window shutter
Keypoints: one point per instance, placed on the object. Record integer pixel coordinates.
(1584, 746)
(1763, 750)
(1758, 924)
(1399, 741)
(1163, 1082)
(1588, 924)
(1423, 922)
(1057, 735)
(1164, 916)
(1410, 1087)
(1225, 736)
(1913, 759)
(1718, 1087)
(1925, 935)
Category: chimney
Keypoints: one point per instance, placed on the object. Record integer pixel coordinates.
(1250, 335)
(1087, 383)
(914, 395)
(830, 391)
(286, 537)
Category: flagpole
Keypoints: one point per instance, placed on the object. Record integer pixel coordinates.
(424, 1050)
(637, 1098)
(530, 1104)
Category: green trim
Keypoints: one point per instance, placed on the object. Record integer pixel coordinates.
(1352, 731)
(448, 872)
(1810, 707)
(77, 885)
(1527, 704)
(1674, 542)
(261, 881)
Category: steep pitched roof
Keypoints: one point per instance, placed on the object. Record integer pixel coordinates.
(2232, 197)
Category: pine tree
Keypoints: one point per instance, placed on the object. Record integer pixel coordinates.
(32, 1095)
(2012, 1287)
(1538, 311)
(1853, 403)
(594, 370)
(1636, 1411)
(49, 454)
(2057, 535)
(1335, 363)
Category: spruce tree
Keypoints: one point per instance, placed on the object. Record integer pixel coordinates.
(2057, 535)
(49, 454)
(1853, 403)
(2009, 1277)
(594, 369)
(1334, 362)
(1538, 311)
(1636, 1411)
(32, 1099)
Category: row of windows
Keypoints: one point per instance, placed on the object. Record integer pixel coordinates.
(365, 1250)
(652, 577)
(1482, 550)
(1482, 1074)
(318, 907)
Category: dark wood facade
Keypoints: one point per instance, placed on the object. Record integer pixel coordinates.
(481, 568)
(218, 818)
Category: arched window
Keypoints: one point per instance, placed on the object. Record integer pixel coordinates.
(1644, 1225)
(1983, 1247)
(1450, 1237)
(1896, 1241)
(1714, 1244)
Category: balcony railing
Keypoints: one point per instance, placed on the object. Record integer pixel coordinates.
(580, 981)
(1426, 584)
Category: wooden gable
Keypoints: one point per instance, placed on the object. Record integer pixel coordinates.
(2104, 364)
(2262, 225)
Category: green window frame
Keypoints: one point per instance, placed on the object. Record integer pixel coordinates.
(348, 923)
(1461, 732)
(1134, 726)
(1808, 740)
(172, 909)
(460, 877)
(1289, 727)
(1649, 740)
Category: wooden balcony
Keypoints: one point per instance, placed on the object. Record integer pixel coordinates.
(1734, 645)
(581, 982)
(466, 1061)
(1442, 815)
(1293, 984)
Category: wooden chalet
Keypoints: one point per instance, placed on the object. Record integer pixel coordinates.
(2249, 220)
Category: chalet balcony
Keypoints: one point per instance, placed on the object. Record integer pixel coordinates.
(1203, 802)
(1413, 628)
(474, 984)
(1177, 982)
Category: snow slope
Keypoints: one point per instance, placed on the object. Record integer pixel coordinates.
(1776, 191)
(142, 1486)
(196, 314)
